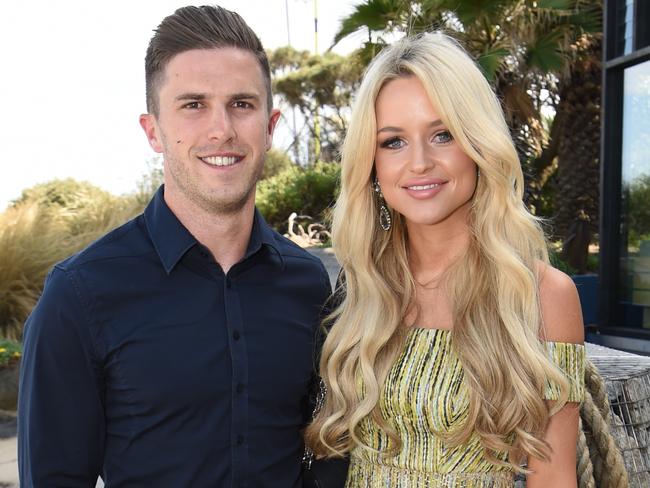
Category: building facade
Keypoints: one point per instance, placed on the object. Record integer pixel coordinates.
(624, 292)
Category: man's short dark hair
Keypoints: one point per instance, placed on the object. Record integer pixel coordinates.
(205, 27)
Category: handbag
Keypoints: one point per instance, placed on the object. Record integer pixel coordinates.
(327, 472)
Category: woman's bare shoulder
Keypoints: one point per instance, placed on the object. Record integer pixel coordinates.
(560, 306)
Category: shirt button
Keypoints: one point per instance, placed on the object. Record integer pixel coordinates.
(240, 440)
(239, 388)
(235, 335)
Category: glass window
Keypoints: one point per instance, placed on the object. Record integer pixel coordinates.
(624, 27)
(635, 218)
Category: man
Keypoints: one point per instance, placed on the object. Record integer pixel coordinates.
(177, 350)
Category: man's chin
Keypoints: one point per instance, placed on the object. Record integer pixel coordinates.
(219, 203)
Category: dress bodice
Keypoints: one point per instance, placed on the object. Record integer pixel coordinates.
(425, 395)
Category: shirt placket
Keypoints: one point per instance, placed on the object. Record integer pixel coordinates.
(239, 391)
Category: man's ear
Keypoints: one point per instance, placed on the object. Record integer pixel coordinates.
(151, 130)
(273, 122)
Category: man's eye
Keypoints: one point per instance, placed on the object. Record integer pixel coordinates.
(242, 104)
(443, 137)
(192, 105)
(392, 143)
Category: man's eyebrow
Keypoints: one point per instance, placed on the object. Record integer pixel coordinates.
(245, 96)
(196, 96)
(389, 128)
(190, 96)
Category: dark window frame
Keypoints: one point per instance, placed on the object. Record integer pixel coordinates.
(611, 311)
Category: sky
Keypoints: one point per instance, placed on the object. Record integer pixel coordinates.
(72, 82)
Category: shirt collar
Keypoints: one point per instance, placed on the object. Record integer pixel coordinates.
(262, 234)
(172, 240)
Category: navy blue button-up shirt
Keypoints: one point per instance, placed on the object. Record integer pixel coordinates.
(145, 364)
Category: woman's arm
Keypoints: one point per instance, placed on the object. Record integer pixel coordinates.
(562, 322)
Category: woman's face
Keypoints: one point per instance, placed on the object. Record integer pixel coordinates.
(423, 173)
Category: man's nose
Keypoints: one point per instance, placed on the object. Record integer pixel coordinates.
(221, 128)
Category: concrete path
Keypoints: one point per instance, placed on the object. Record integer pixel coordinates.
(8, 467)
(326, 255)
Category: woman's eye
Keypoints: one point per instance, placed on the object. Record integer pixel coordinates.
(443, 137)
(392, 143)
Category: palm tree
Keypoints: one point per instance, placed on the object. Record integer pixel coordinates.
(531, 52)
(578, 153)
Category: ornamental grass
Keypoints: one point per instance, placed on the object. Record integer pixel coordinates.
(35, 234)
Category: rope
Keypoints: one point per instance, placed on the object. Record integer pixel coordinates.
(584, 467)
(607, 465)
(596, 386)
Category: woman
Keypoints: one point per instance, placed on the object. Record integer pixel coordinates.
(456, 352)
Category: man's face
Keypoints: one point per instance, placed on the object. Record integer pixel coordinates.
(213, 128)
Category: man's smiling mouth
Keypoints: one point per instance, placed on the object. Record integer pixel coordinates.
(221, 160)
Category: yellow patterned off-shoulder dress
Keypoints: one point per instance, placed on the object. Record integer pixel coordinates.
(425, 393)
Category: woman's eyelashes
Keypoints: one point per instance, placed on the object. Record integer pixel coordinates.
(392, 143)
(442, 137)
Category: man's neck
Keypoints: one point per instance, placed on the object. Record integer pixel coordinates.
(226, 235)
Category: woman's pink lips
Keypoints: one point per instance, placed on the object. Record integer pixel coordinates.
(424, 194)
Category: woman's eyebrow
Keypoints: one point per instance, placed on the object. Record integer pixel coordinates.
(390, 128)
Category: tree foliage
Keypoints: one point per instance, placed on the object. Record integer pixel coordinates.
(276, 162)
(320, 87)
(64, 194)
(81, 207)
(637, 197)
(150, 181)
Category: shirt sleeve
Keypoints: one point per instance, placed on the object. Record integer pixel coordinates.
(570, 359)
(60, 412)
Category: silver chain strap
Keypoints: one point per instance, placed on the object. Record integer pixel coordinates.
(308, 455)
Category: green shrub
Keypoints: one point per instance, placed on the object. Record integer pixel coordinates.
(10, 353)
(62, 194)
(82, 207)
(306, 191)
(276, 162)
(559, 263)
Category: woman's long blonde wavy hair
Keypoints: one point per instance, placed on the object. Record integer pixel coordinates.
(493, 289)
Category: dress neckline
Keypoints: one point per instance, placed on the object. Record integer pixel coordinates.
(413, 328)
